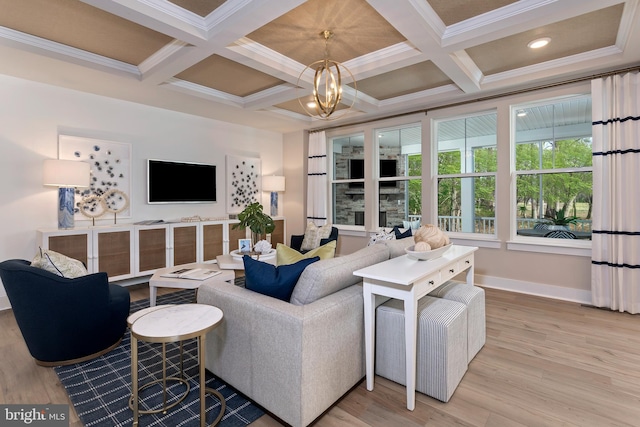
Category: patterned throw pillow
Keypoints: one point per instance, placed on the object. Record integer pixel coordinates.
(59, 264)
(313, 234)
(286, 255)
(381, 235)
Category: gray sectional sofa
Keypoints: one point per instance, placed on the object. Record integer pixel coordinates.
(295, 358)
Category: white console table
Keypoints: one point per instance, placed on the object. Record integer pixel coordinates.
(409, 280)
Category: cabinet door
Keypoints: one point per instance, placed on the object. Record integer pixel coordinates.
(184, 243)
(152, 244)
(278, 234)
(212, 241)
(114, 251)
(74, 244)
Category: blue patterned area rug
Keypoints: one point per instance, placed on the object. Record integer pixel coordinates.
(100, 388)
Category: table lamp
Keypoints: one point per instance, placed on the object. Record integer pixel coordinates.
(274, 184)
(66, 175)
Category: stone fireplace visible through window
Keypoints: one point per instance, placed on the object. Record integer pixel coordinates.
(395, 173)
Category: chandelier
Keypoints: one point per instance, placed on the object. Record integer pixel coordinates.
(327, 85)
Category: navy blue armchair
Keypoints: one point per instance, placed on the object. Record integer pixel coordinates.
(65, 321)
(296, 240)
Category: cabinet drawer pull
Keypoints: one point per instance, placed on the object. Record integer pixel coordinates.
(451, 271)
(431, 282)
(467, 262)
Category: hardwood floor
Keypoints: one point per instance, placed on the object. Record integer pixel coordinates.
(545, 363)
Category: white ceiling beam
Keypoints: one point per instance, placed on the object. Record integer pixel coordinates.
(515, 18)
(419, 23)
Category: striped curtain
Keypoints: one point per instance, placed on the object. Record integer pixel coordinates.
(615, 259)
(317, 179)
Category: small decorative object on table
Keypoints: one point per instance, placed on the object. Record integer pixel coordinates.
(431, 242)
(244, 245)
(263, 246)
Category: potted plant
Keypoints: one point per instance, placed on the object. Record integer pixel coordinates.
(258, 222)
(559, 221)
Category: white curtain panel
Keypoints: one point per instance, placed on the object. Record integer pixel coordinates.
(615, 259)
(317, 179)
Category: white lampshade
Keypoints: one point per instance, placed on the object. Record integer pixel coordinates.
(66, 173)
(273, 183)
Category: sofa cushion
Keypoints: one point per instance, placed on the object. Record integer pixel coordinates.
(286, 255)
(397, 246)
(313, 234)
(267, 279)
(59, 264)
(331, 275)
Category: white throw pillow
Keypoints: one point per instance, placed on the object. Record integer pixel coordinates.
(414, 225)
(313, 234)
(59, 264)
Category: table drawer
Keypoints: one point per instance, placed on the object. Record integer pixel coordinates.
(465, 263)
(428, 284)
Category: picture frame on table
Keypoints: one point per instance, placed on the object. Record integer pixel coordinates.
(244, 245)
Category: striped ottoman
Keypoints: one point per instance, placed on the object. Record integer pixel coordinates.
(473, 298)
(441, 359)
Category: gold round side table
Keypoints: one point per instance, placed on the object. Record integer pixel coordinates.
(174, 323)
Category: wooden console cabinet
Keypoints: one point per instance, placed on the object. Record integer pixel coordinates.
(128, 251)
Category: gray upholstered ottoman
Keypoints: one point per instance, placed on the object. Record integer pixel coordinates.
(473, 298)
(441, 359)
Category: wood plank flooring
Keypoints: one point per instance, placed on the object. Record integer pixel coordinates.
(545, 363)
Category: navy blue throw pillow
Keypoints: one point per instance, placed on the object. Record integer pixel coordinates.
(401, 235)
(277, 282)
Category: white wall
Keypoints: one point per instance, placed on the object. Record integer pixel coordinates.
(32, 115)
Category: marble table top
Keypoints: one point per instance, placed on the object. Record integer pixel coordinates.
(176, 322)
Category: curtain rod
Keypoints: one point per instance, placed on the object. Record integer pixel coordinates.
(486, 98)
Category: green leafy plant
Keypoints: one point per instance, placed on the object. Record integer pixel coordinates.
(560, 219)
(258, 222)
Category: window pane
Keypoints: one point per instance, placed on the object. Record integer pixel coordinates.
(472, 140)
(348, 158)
(348, 204)
(554, 136)
(542, 196)
(467, 204)
(399, 155)
(399, 201)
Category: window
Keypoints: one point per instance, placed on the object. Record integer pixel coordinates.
(467, 160)
(399, 171)
(347, 185)
(553, 163)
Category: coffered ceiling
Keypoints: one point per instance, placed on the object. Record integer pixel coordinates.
(240, 60)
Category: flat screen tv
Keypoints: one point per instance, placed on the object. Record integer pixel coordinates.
(180, 182)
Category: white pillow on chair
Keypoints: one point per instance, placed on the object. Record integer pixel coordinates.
(59, 264)
(313, 234)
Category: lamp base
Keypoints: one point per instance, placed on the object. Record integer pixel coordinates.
(274, 203)
(66, 200)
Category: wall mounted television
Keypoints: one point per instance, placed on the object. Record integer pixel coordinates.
(180, 182)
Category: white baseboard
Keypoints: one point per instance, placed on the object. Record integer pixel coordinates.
(538, 289)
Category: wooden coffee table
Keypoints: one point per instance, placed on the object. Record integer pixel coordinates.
(157, 281)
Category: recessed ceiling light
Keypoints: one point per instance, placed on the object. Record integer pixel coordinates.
(538, 43)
